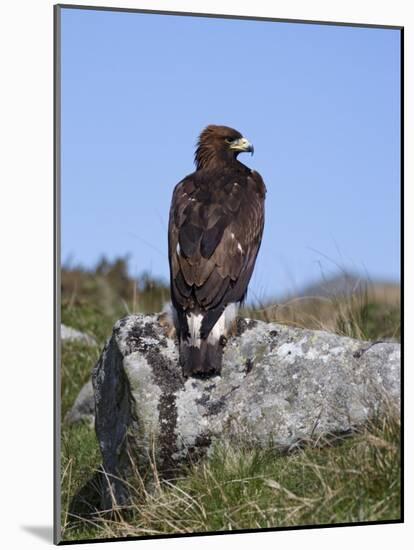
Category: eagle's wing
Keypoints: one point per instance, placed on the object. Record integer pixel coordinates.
(214, 237)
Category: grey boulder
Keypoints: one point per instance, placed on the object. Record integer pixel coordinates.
(279, 386)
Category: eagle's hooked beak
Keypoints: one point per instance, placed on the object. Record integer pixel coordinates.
(243, 145)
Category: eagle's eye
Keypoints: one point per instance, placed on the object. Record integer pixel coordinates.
(229, 139)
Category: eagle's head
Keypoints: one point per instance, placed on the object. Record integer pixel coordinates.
(218, 144)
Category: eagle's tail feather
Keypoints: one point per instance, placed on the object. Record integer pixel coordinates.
(201, 354)
(205, 360)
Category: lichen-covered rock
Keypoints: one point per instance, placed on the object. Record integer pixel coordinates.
(279, 385)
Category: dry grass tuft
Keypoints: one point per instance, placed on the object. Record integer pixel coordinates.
(370, 312)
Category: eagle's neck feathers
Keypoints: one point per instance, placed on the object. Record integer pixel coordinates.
(207, 157)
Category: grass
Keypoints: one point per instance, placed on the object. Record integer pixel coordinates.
(372, 313)
(351, 480)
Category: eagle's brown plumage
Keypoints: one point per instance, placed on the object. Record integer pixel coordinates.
(215, 230)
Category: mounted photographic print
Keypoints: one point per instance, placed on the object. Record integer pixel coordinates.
(228, 268)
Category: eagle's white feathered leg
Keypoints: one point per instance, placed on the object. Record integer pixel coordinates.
(194, 321)
(223, 325)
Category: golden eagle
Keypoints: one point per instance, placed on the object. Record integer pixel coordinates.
(214, 234)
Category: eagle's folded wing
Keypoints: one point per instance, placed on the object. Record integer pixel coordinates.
(214, 238)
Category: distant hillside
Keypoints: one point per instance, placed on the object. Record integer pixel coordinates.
(93, 299)
(346, 284)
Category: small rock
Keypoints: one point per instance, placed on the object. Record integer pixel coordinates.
(69, 334)
(83, 410)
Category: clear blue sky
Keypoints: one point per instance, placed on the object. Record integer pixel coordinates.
(321, 105)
